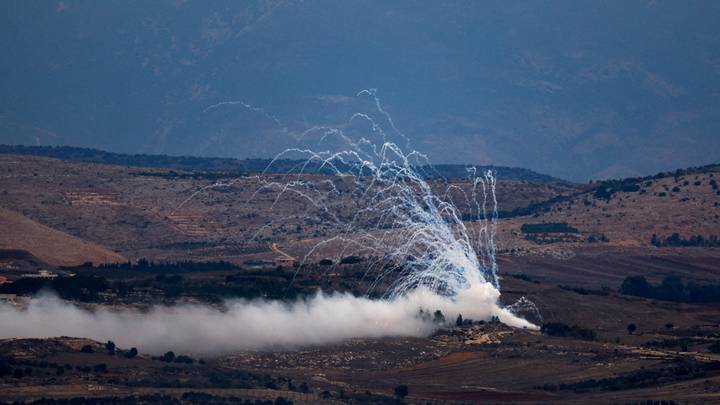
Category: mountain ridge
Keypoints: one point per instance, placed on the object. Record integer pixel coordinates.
(575, 89)
(90, 155)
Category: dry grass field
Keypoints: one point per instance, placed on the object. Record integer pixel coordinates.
(50, 245)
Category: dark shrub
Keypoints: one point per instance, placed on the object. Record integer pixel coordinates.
(184, 359)
(715, 347)
(564, 330)
(169, 357)
(401, 391)
(636, 285)
(555, 227)
(351, 260)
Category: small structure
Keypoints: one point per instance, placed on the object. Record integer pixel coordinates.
(44, 274)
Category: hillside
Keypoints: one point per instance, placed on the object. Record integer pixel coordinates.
(629, 212)
(49, 245)
(143, 212)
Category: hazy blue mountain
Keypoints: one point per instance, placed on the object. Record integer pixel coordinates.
(576, 89)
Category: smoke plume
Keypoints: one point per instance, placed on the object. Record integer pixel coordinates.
(251, 325)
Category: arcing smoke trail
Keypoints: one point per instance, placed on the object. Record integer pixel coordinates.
(416, 241)
(247, 106)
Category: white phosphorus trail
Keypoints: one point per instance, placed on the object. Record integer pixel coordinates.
(421, 253)
(247, 106)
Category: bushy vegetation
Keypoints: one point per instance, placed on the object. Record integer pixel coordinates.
(553, 227)
(401, 391)
(272, 284)
(606, 189)
(676, 240)
(604, 291)
(170, 357)
(600, 238)
(564, 330)
(168, 267)
(351, 260)
(672, 288)
(684, 370)
(79, 288)
(680, 344)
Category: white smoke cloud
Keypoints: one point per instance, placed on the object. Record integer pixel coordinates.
(250, 325)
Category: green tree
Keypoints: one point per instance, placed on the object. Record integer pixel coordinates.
(636, 285)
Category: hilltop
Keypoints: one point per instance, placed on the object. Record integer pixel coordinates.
(230, 166)
(679, 208)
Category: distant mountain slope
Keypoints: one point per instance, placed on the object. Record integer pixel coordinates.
(238, 165)
(49, 245)
(578, 89)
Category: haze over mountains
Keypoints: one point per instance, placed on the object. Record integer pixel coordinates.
(574, 89)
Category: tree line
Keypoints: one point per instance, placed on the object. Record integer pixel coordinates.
(671, 288)
(676, 240)
(148, 266)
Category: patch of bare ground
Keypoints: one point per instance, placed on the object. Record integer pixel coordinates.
(49, 245)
